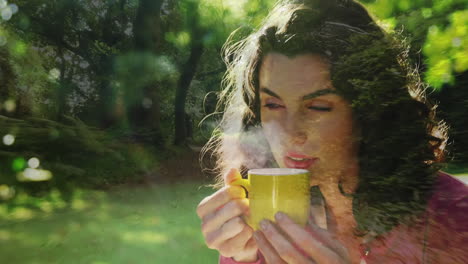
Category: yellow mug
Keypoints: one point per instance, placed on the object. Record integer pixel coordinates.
(277, 189)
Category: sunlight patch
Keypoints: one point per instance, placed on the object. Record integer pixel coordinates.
(149, 237)
(79, 204)
(5, 235)
(22, 214)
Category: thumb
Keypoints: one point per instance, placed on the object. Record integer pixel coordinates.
(231, 176)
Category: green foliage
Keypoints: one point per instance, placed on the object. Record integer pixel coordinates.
(18, 164)
(79, 58)
(27, 82)
(447, 50)
(437, 30)
(75, 155)
(181, 39)
(135, 71)
(436, 27)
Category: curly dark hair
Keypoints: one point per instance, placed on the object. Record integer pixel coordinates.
(401, 143)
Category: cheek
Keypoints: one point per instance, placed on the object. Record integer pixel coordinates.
(335, 130)
(270, 125)
(274, 132)
(337, 137)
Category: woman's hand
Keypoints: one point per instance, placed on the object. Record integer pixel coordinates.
(222, 226)
(279, 243)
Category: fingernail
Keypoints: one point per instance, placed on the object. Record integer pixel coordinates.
(279, 216)
(264, 224)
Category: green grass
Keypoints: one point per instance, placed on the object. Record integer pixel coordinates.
(457, 169)
(460, 171)
(156, 224)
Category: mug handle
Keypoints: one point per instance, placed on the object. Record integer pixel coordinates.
(244, 183)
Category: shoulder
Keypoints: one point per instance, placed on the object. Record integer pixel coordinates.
(447, 233)
(449, 197)
(446, 182)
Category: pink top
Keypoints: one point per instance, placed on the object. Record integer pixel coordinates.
(439, 236)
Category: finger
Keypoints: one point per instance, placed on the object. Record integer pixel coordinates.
(308, 241)
(327, 239)
(318, 229)
(231, 176)
(243, 241)
(229, 230)
(219, 199)
(318, 215)
(267, 250)
(232, 209)
(283, 247)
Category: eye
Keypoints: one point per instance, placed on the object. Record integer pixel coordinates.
(273, 106)
(320, 108)
(320, 105)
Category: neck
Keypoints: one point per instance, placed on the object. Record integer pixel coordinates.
(340, 218)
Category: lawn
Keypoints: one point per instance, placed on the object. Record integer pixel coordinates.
(143, 224)
(154, 224)
(460, 171)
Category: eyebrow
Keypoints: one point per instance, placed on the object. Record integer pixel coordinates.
(305, 97)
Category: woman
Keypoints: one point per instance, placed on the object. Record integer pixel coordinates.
(320, 86)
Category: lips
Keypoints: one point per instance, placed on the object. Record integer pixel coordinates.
(298, 161)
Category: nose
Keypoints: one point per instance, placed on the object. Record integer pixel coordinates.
(299, 138)
(296, 131)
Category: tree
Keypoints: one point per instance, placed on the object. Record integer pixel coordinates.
(188, 72)
(438, 29)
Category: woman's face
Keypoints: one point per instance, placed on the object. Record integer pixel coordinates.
(306, 123)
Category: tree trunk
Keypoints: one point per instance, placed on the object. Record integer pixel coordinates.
(107, 96)
(63, 89)
(147, 39)
(109, 109)
(147, 25)
(188, 72)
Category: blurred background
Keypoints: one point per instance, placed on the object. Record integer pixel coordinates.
(105, 105)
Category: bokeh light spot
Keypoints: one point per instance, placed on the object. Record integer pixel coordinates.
(33, 163)
(18, 164)
(6, 192)
(9, 105)
(34, 175)
(8, 139)
(147, 103)
(6, 13)
(54, 74)
(13, 8)
(19, 48)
